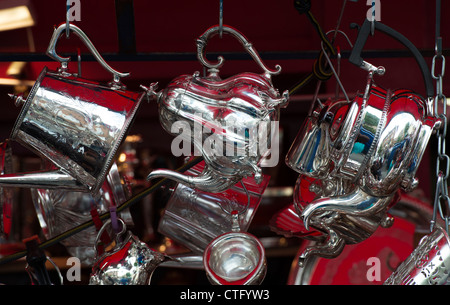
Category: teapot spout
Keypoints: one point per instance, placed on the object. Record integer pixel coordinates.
(41, 179)
(208, 181)
(359, 203)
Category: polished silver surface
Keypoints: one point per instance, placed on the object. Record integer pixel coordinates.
(59, 210)
(6, 194)
(310, 152)
(130, 262)
(428, 264)
(235, 258)
(376, 141)
(185, 261)
(75, 123)
(414, 214)
(229, 122)
(54, 179)
(193, 218)
(51, 52)
(359, 155)
(214, 30)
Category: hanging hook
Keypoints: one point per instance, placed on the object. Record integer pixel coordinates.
(220, 18)
(214, 30)
(336, 74)
(67, 18)
(79, 62)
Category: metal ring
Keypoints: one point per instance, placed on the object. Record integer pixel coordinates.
(433, 66)
(438, 166)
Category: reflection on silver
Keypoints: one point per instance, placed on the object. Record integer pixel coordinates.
(410, 208)
(130, 262)
(54, 179)
(187, 261)
(235, 258)
(6, 194)
(75, 123)
(228, 121)
(429, 264)
(359, 155)
(78, 125)
(59, 210)
(193, 218)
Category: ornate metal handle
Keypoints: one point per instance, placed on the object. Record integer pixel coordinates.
(118, 234)
(212, 31)
(51, 51)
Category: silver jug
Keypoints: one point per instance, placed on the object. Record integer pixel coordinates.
(129, 262)
(77, 124)
(239, 115)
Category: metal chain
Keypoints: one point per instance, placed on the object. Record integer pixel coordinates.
(441, 200)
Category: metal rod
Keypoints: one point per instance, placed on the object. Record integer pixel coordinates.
(191, 56)
(220, 18)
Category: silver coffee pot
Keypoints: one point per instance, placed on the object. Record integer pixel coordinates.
(236, 114)
(353, 158)
(360, 155)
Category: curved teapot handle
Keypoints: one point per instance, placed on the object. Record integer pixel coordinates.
(214, 30)
(51, 51)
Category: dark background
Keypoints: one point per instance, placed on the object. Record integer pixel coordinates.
(155, 42)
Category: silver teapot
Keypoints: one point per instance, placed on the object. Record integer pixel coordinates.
(354, 157)
(236, 114)
(358, 154)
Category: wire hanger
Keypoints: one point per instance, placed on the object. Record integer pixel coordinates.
(220, 18)
(67, 18)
